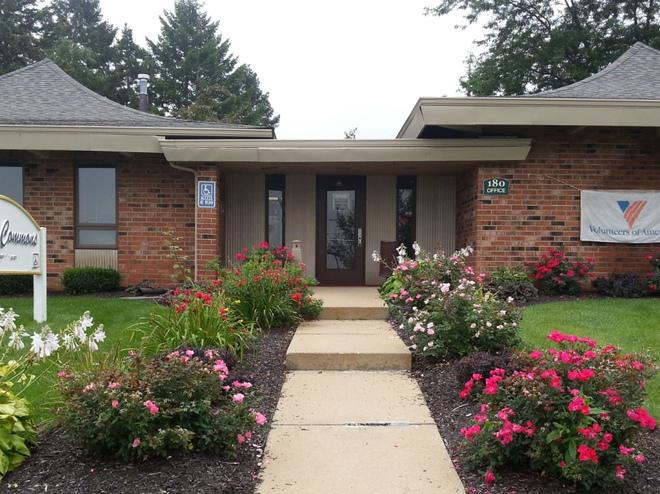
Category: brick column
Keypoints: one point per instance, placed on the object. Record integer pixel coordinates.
(208, 222)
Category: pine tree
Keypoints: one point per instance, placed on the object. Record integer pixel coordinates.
(130, 60)
(80, 42)
(20, 29)
(198, 77)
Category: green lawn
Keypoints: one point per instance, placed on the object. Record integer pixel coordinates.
(632, 324)
(115, 314)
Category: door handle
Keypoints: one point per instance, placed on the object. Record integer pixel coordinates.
(359, 237)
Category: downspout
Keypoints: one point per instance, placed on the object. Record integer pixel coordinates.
(194, 172)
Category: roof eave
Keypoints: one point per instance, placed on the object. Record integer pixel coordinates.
(345, 151)
(508, 111)
(110, 138)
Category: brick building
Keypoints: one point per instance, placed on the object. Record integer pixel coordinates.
(107, 180)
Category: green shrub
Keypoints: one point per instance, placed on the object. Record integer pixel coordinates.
(574, 413)
(509, 273)
(184, 401)
(653, 275)
(628, 285)
(311, 309)
(197, 318)
(16, 431)
(15, 284)
(511, 282)
(77, 281)
(482, 363)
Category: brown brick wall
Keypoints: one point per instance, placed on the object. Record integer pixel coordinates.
(540, 212)
(49, 196)
(152, 197)
(467, 195)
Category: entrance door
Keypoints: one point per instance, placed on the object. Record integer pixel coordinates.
(340, 220)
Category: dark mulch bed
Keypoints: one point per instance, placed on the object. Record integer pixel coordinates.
(58, 466)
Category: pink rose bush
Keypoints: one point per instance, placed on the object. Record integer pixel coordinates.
(440, 301)
(573, 411)
(185, 400)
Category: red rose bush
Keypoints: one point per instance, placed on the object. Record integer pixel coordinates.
(653, 275)
(556, 274)
(574, 412)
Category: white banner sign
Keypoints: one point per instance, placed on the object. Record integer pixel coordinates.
(620, 216)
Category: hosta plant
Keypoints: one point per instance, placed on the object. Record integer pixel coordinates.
(17, 356)
(574, 412)
(186, 400)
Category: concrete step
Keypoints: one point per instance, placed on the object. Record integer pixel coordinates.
(353, 313)
(351, 303)
(347, 345)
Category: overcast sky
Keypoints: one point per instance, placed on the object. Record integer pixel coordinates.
(331, 66)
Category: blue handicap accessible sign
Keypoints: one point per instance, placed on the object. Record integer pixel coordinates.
(206, 194)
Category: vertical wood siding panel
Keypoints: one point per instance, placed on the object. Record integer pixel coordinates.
(436, 213)
(245, 212)
(300, 214)
(96, 258)
(381, 220)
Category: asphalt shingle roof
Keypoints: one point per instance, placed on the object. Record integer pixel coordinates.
(634, 75)
(43, 94)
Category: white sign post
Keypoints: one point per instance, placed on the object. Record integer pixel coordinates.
(23, 250)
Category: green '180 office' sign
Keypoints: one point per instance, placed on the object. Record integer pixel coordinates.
(496, 186)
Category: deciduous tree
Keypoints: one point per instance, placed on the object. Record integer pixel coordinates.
(536, 45)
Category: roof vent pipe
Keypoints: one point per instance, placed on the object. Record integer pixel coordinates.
(143, 92)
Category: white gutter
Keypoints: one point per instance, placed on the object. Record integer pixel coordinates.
(194, 172)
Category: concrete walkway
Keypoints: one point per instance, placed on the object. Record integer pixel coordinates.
(342, 427)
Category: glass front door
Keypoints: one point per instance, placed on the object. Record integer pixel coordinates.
(340, 233)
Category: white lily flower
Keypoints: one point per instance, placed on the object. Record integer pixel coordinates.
(15, 340)
(69, 342)
(44, 343)
(99, 334)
